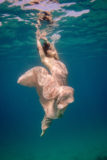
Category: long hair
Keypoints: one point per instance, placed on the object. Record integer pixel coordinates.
(46, 46)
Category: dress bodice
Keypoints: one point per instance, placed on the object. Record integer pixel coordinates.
(59, 71)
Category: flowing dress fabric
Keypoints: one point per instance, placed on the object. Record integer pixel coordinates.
(46, 85)
(59, 72)
(52, 89)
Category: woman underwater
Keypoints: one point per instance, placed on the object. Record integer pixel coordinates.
(50, 83)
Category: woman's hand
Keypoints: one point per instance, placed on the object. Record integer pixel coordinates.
(43, 35)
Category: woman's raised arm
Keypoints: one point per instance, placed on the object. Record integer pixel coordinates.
(39, 46)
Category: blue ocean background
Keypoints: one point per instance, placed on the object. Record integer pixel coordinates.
(81, 134)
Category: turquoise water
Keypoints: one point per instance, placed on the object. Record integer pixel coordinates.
(80, 38)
